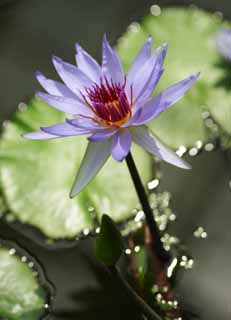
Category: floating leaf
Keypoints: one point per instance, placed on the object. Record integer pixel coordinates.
(190, 34)
(220, 108)
(22, 297)
(109, 243)
(36, 178)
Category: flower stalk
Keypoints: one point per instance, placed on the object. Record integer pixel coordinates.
(146, 310)
(154, 231)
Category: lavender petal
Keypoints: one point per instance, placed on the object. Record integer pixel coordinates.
(154, 78)
(39, 135)
(72, 76)
(142, 78)
(121, 145)
(148, 141)
(223, 43)
(102, 135)
(88, 65)
(86, 124)
(54, 87)
(111, 65)
(65, 104)
(165, 99)
(64, 130)
(95, 157)
(139, 61)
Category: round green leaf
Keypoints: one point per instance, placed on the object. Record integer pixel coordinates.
(21, 295)
(220, 108)
(190, 34)
(109, 243)
(36, 178)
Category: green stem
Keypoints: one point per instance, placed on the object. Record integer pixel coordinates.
(154, 231)
(143, 306)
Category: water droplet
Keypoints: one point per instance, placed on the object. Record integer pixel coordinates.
(137, 249)
(155, 10)
(155, 288)
(175, 304)
(24, 259)
(209, 147)
(193, 152)
(199, 144)
(22, 106)
(205, 115)
(168, 241)
(5, 124)
(186, 262)
(128, 251)
(86, 232)
(12, 251)
(97, 230)
(153, 184)
(159, 297)
(134, 27)
(140, 216)
(30, 264)
(171, 267)
(209, 123)
(181, 151)
(200, 233)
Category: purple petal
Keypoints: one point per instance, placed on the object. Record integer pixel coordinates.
(102, 135)
(223, 43)
(111, 65)
(73, 77)
(54, 87)
(39, 135)
(165, 99)
(139, 61)
(64, 130)
(95, 157)
(67, 105)
(121, 145)
(147, 140)
(154, 78)
(142, 78)
(88, 65)
(85, 124)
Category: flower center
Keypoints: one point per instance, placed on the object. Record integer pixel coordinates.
(109, 103)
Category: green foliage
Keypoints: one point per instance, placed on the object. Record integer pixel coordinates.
(21, 296)
(109, 243)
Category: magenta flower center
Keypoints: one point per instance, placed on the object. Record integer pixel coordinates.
(109, 103)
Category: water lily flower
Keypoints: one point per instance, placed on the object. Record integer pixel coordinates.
(110, 107)
(223, 42)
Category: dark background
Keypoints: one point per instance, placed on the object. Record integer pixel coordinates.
(30, 32)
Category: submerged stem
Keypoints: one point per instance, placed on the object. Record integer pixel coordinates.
(143, 306)
(154, 231)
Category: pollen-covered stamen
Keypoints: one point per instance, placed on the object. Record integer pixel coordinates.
(109, 102)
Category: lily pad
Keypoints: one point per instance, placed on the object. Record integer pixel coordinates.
(21, 295)
(36, 177)
(190, 34)
(220, 108)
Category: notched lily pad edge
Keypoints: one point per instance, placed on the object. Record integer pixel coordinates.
(40, 274)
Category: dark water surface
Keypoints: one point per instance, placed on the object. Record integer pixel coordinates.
(30, 32)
